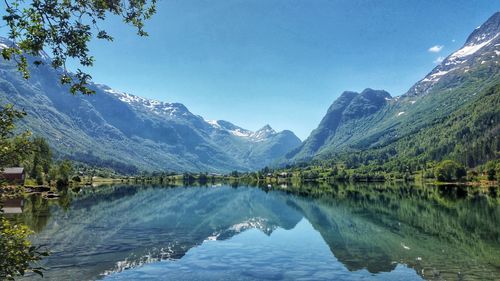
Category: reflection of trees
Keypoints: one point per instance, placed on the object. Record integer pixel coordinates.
(36, 213)
(88, 197)
(373, 226)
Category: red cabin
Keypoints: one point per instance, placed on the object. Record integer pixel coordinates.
(13, 175)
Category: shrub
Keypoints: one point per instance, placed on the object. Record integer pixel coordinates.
(18, 255)
(491, 169)
(449, 170)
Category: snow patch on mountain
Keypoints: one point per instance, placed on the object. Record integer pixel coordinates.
(213, 123)
(241, 133)
(436, 76)
(470, 49)
(154, 106)
(257, 222)
(260, 135)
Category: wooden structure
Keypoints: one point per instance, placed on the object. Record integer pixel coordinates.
(13, 175)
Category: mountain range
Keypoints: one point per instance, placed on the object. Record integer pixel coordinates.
(130, 133)
(453, 112)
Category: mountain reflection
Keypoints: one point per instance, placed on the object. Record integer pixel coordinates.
(110, 229)
(375, 227)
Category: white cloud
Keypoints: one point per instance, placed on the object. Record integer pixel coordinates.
(436, 48)
(438, 60)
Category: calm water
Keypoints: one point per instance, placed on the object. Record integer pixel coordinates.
(223, 233)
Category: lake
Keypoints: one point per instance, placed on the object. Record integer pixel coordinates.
(347, 232)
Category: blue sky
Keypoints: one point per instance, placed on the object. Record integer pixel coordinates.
(281, 62)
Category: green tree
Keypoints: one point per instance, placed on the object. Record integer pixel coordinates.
(490, 168)
(497, 170)
(334, 172)
(449, 170)
(202, 178)
(343, 174)
(65, 28)
(14, 148)
(43, 153)
(34, 166)
(52, 174)
(65, 171)
(39, 175)
(42, 159)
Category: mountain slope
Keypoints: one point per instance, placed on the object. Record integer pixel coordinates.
(408, 125)
(127, 132)
(351, 109)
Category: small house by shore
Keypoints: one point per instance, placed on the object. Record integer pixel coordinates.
(14, 175)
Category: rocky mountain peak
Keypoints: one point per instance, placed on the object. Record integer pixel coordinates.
(263, 133)
(368, 92)
(266, 128)
(366, 103)
(481, 47)
(487, 31)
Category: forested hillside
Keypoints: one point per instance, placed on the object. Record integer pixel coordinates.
(452, 113)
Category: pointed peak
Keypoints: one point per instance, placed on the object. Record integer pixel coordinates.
(263, 133)
(267, 127)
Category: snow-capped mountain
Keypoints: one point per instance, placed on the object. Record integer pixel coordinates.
(461, 92)
(169, 110)
(260, 135)
(127, 132)
(230, 128)
(263, 133)
(481, 47)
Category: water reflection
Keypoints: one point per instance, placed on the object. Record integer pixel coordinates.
(353, 232)
(13, 206)
(297, 254)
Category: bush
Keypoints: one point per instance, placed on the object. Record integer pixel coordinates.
(491, 169)
(448, 170)
(61, 183)
(18, 255)
(39, 179)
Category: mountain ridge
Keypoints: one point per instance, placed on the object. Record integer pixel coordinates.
(461, 79)
(130, 133)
